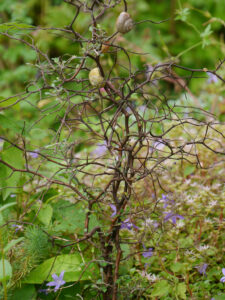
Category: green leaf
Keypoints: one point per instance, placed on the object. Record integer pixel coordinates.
(14, 25)
(5, 270)
(182, 14)
(8, 123)
(2, 220)
(73, 218)
(7, 206)
(45, 214)
(189, 170)
(181, 290)
(38, 134)
(207, 32)
(14, 157)
(220, 297)
(70, 263)
(205, 36)
(185, 242)
(161, 288)
(25, 292)
(12, 244)
(177, 267)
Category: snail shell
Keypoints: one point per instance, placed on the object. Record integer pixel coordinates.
(95, 77)
(124, 23)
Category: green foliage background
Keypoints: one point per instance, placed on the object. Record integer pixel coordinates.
(193, 36)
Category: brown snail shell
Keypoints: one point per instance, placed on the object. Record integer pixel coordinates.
(96, 78)
(124, 23)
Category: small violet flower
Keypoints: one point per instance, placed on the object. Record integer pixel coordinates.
(33, 154)
(18, 227)
(57, 282)
(147, 253)
(173, 217)
(202, 268)
(113, 207)
(127, 224)
(166, 201)
(100, 149)
(212, 78)
(158, 146)
(128, 110)
(223, 278)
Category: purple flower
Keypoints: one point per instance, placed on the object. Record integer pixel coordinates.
(212, 78)
(18, 227)
(13, 195)
(164, 197)
(223, 278)
(128, 110)
(33, 154)
(166, 200)
(57, 282)
(158, 145)
(113, 207)
(127, 224)
(147, 253)
(173, 217)
(156, 224)
(100, 149)
(202, 268)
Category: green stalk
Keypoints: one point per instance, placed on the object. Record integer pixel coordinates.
(3, 267)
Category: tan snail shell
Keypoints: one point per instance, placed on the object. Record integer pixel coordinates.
(95, 77)
(124, 23)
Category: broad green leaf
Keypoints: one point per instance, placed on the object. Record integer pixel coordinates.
(38, 134)
(14, 157)
(185, 242)
(161, 288)
(220, 297)
(188, 170)
(10, 101)
(8, 123)
(181, 290)
(70, 218)
(12, 244)
(5, 270)
(70, 263)
(177, 267)
(25, 292)
(45, 214)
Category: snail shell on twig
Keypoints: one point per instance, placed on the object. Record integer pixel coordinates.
(95, 77)
(124, 23)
